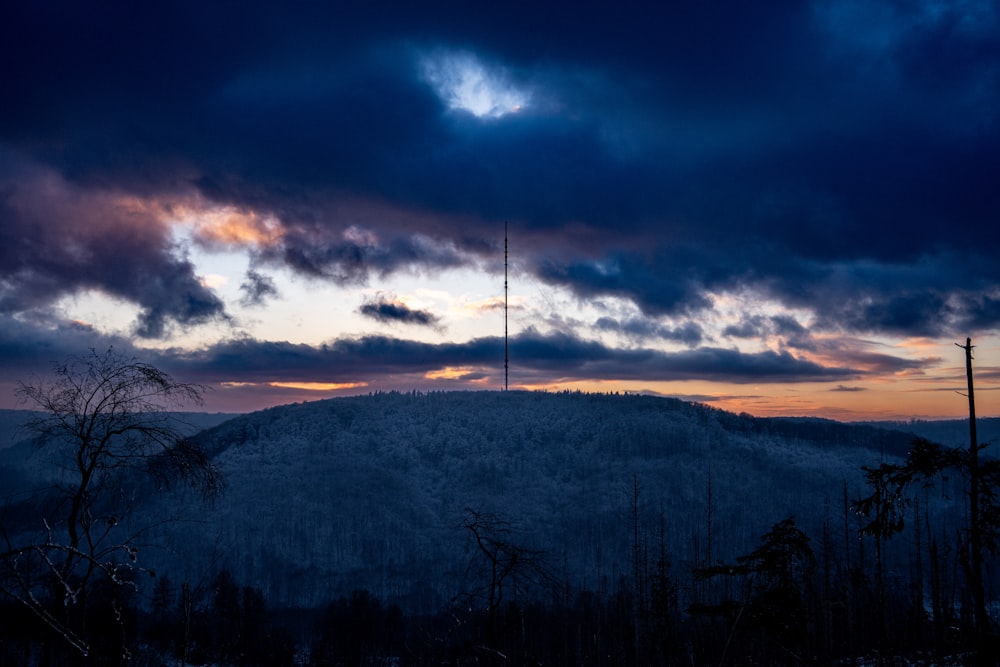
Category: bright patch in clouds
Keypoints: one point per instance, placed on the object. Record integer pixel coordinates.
(98, 310)
(214, 280)
(307, 386)
(227, 226)
(450, 373)
(465, 83)
(319, 386)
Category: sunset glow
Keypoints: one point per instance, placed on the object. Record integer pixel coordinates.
(320, 386)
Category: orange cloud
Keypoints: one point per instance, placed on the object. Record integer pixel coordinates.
(229, 227)
(452, 373)
(307, 386)
(318, 386)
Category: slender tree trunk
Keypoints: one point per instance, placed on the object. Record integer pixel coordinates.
(848, 578)
(847, 530)
(708, 519)
(826, 606)
(936, 598)
(637, 569)
(981, 619)
(880, 591)
(917, 626)
(491, 610)
(186, 609)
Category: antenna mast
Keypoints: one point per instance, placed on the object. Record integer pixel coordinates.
(506, 360)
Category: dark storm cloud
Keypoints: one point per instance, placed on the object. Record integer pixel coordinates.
(846, 351)
(909, 311)
(384, 309)
(790, 330)
(57, 240)
(30, 347)
(793, 333)
(734, 366)
(919, 313)
(803, 151)
(257, 288)
(651, 285)
(787, 326)
(688, 333)
(748, 327)
(171, 293)
(352, 259)
(536, 357)
(26, 347)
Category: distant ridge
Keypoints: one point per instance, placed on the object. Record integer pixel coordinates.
(950, 432)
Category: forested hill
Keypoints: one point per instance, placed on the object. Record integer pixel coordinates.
(370, 492)
(616, 524)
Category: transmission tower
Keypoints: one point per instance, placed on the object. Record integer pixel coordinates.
(506, 359)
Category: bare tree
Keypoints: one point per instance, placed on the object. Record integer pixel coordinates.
(508, 565)
(105, 420)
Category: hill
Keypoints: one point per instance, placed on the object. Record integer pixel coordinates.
(24, 467)
(12, 422)
(10, 426)
(452, 528)
(370, 492)
(948, 432)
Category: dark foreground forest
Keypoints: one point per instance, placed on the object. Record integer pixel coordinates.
(506, 528)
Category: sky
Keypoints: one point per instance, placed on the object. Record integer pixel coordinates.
(780, 208)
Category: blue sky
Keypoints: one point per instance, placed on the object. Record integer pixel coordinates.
(783, 208)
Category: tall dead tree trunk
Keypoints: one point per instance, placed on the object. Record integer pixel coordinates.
(981, 618)
(637, 572)
(925, 461)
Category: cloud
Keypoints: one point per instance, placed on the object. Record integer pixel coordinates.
(909, 309)
(227, 228)
(835, 160)
(464, 83)
(534, 357)
(353, 255)
(57, 240)
(747, 328)
(639, 328)
(655, 291)
(257, 288)
(32, 344)
(385, 309)
(867, 356)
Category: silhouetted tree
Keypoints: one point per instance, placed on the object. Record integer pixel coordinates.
(507, 565)
(773, 617)
(885, 508)
(104, 418)
(224, 619)
(358, 630)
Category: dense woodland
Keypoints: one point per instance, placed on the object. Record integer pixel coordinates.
(517, 528)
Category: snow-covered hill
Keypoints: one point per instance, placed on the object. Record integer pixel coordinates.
(370, 492)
